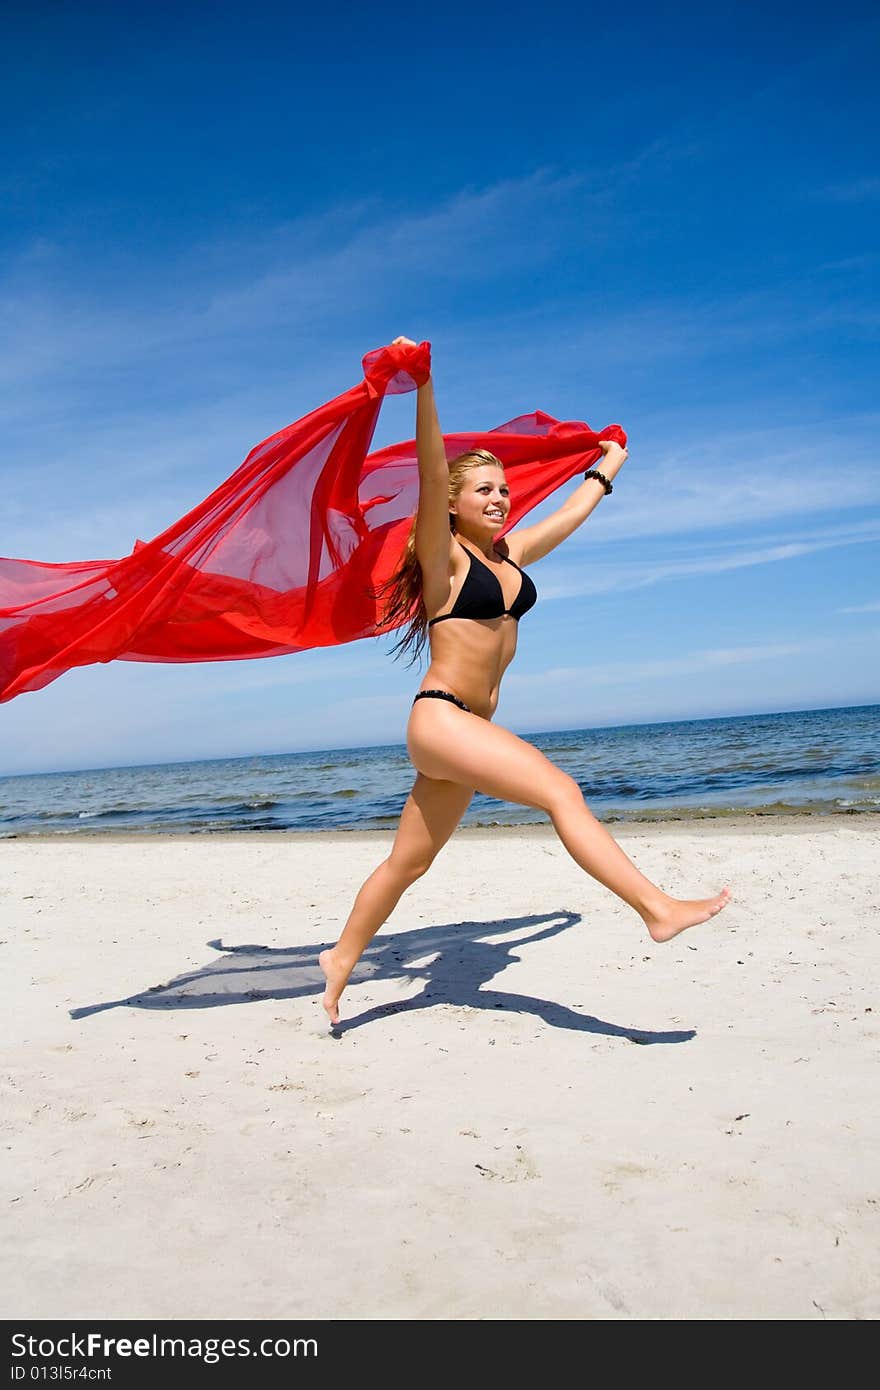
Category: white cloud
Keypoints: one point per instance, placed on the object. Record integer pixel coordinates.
(561, 678)
(322, 267)
(872, 607)
(607, 573)
(751, 678)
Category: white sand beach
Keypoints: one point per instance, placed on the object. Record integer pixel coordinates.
(531, 1111)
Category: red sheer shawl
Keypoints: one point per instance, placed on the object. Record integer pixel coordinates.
(283, 556)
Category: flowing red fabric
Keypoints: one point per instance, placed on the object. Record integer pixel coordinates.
(283, 556)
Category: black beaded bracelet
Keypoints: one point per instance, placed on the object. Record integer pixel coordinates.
(600, 478)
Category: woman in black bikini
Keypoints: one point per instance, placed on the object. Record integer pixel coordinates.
(473, 584)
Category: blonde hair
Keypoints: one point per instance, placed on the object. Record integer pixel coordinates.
(404, 604)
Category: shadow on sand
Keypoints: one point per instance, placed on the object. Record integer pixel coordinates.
(454, 961)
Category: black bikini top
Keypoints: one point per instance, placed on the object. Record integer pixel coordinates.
(481, 595)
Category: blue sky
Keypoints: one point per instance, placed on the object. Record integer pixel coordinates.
(654, 215)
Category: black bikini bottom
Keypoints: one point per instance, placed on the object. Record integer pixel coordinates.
(442, 695)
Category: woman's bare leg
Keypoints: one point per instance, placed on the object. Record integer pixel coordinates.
(456, 753)
(432, 811)
(451, 743)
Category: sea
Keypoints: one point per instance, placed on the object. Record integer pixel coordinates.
(822, 762)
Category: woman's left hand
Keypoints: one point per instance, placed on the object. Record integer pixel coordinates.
(613, 452)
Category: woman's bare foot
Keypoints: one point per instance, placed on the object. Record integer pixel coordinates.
(676, 914)
(336, 976)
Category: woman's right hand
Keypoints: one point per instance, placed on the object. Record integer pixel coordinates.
(408, 342)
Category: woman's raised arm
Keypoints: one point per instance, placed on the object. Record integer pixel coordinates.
(429, 437)
(433, 536)
(534, 542)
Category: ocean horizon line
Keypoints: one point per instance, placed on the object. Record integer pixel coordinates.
(401, 743)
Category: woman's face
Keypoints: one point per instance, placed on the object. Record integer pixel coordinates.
(482, 506)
